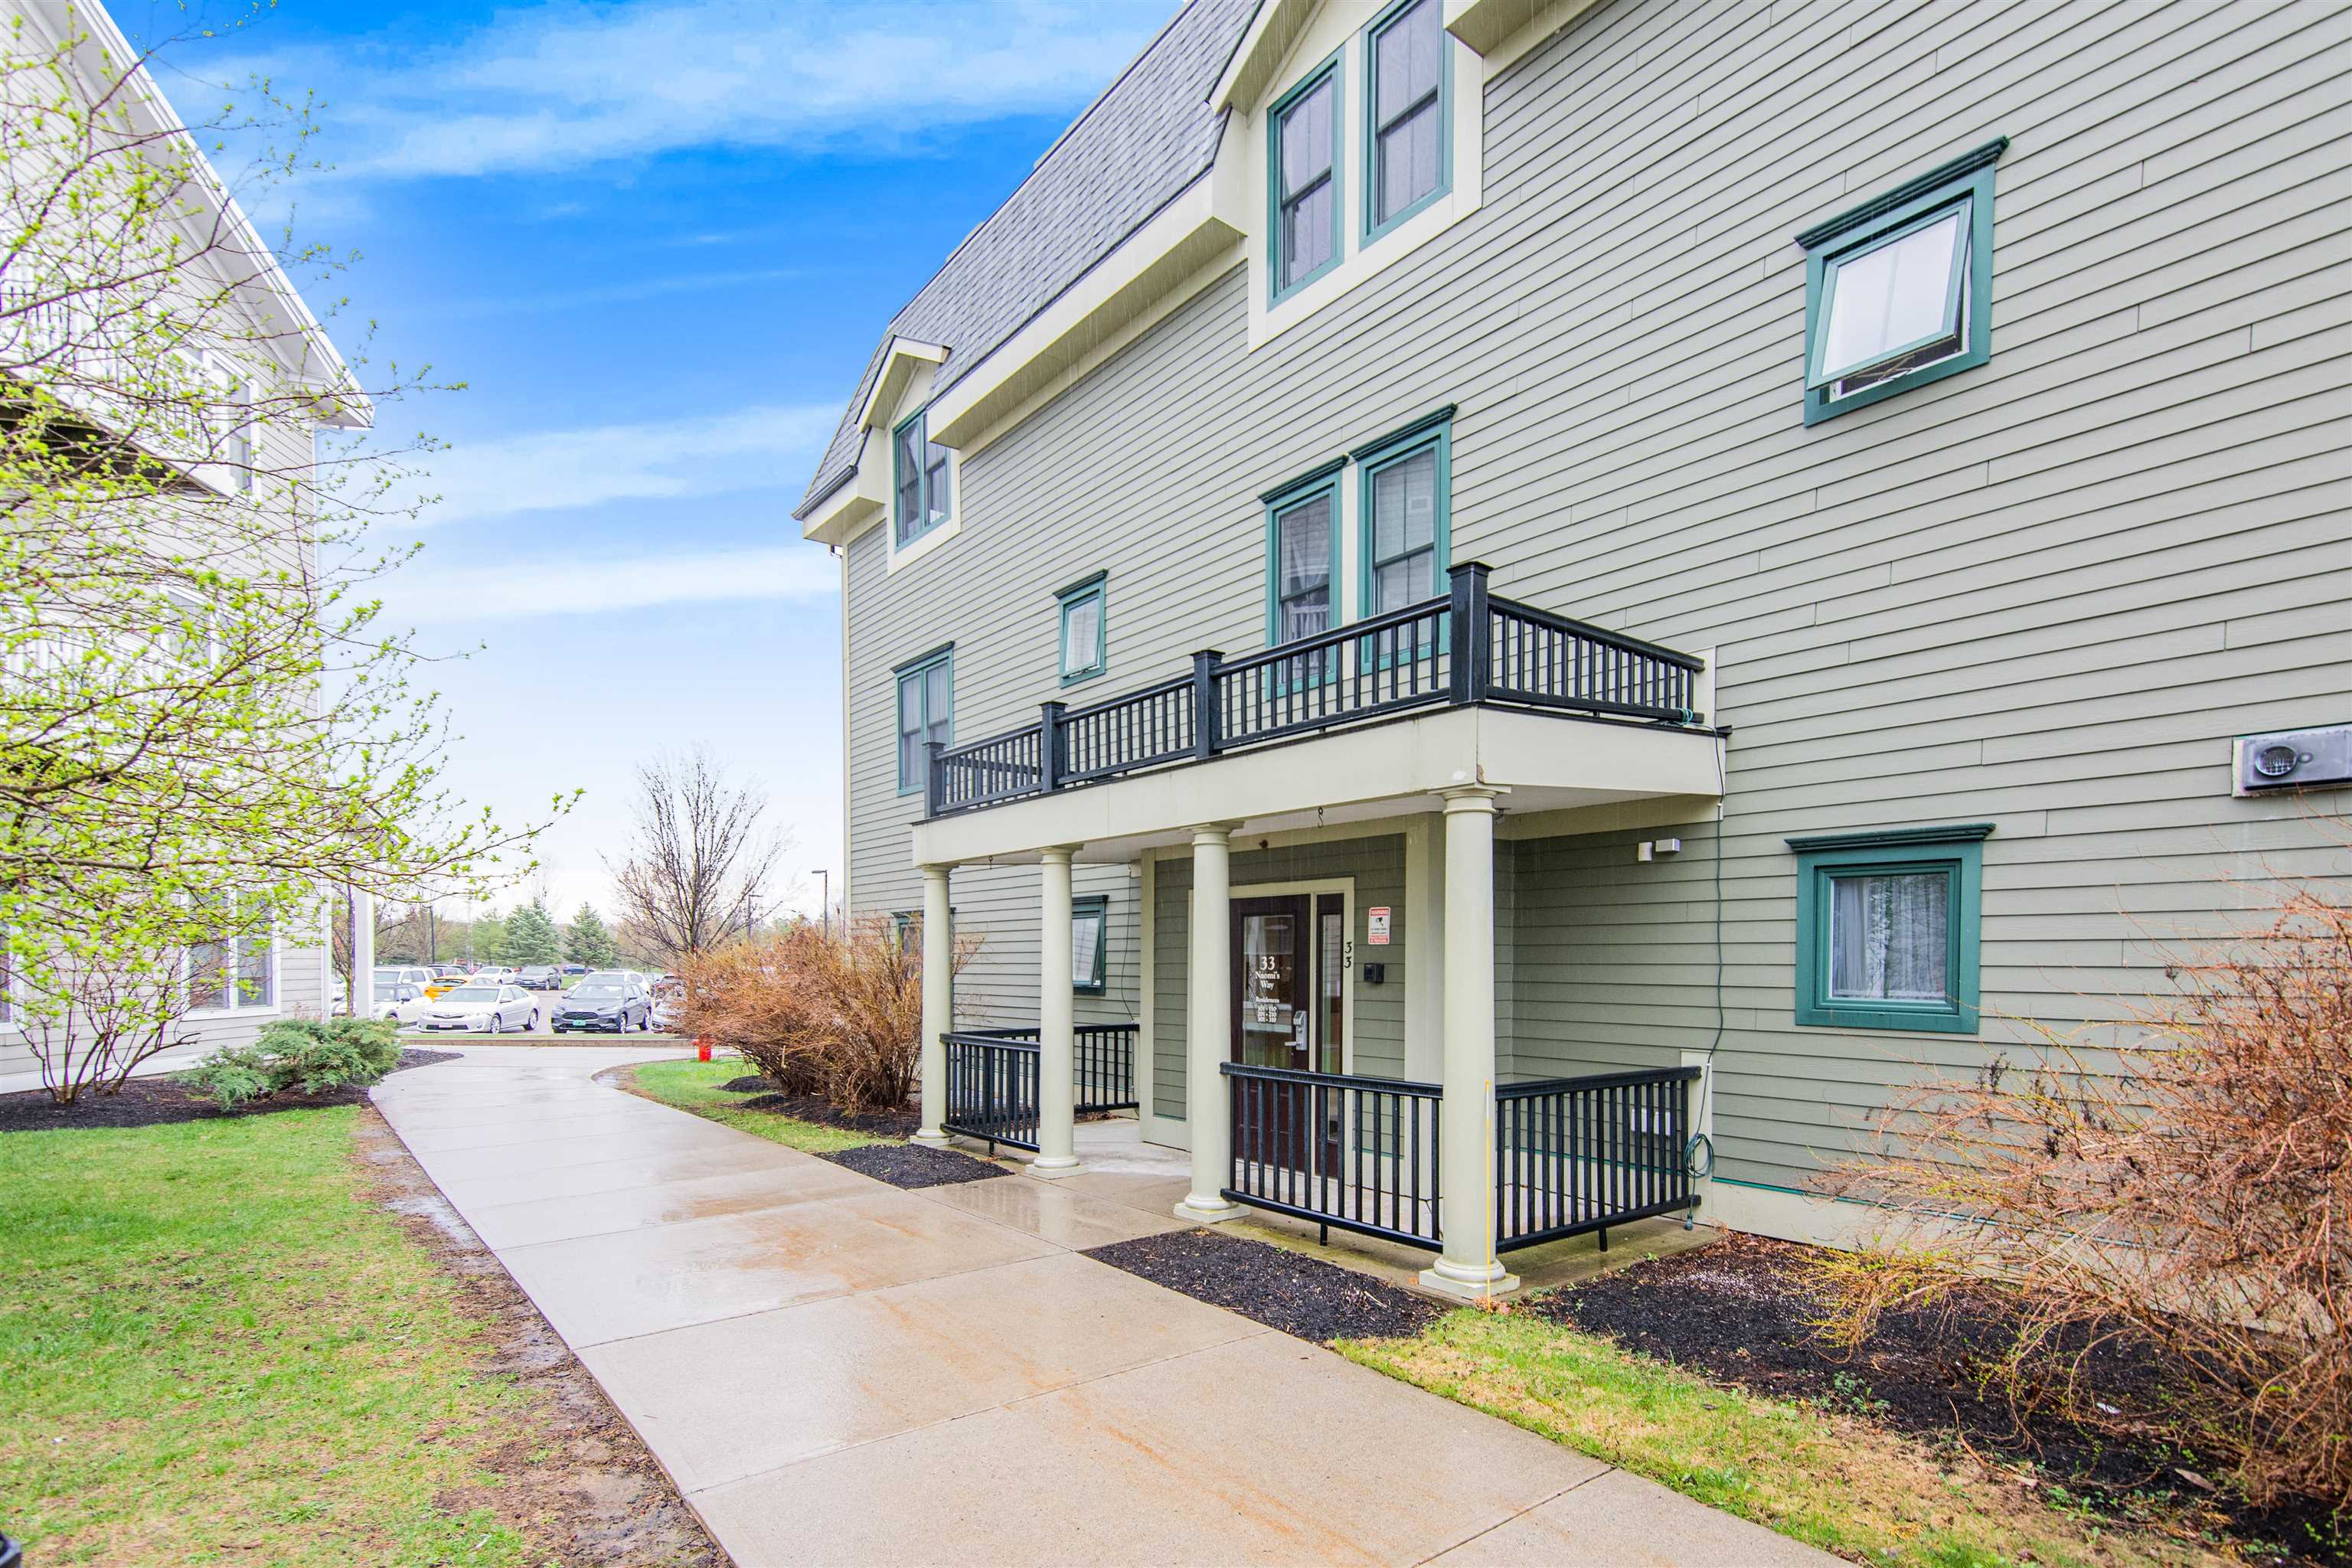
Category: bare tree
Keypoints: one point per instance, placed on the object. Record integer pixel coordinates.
(699, 857)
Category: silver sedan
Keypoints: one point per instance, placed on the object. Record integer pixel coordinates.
(482, 1010)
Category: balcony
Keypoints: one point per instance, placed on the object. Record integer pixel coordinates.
(1440, 665)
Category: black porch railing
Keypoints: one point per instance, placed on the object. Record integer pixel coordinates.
(1358, 1153)
(1104, 1068)
(1464, 649)
(991, 1090)
(1574, 1154)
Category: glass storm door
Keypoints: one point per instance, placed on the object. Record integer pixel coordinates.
(1289, 983)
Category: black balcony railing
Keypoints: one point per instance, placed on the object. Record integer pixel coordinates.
(1574, 1154)
(1466, 648)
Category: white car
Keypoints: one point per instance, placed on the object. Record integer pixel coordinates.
(491, 974)
(398, 992)
(480, 1009)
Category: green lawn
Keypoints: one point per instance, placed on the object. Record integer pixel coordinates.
(694, 1086)
(1824, 1479)
(213, 1351)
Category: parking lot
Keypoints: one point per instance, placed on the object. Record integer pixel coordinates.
(544, 1005)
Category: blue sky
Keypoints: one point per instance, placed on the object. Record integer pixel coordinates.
(657, 241)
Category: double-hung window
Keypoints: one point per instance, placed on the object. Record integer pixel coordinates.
(1886, 929)
(1403, 508)
(1089, 928)
(233, 973)
(1082, 634)
(1406, 114)
(921, 494)
(1302, 556)
(1898, 292)
(925, 713)
(1303, 179)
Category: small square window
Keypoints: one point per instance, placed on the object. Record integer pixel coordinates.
(1083, 633)
(1089, 920)
(1898, 292)
(1886, 929)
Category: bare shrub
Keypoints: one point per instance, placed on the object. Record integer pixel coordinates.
(2188, 1193)
(106, 1014)
(836, 1015)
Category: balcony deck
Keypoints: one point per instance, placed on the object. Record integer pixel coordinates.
(1354, 722)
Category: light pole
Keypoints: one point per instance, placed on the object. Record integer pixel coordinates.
(825, 900)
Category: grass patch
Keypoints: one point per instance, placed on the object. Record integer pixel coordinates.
(215, 1350)
(1823, 1479)
(694, 1086)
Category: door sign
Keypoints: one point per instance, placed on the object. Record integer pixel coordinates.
(1376, 933)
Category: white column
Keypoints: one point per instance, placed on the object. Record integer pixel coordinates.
(1208, 1026)
(939, 1001)
(1058, 1050)
(363, 975)
(1465, 1177)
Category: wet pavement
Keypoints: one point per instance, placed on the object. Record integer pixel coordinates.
(835, 1371)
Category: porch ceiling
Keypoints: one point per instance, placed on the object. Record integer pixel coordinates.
(1546, 762)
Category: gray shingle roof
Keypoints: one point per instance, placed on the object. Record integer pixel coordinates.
(1144, 141)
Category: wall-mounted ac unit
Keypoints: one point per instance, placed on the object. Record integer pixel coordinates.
(2293, 759)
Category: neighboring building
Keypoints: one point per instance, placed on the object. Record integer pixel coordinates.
(1906, 446)
(290, 972)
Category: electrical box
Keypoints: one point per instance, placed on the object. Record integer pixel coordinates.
(2293, 759)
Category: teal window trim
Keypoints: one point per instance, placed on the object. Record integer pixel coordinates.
(918, 669)
(1955, 852)
(1431, 431)
(1375, 227)
(1098, 589)
(1322, 481)
(1965, 181)
(1094, 908)
(922, 483)
(1328, 71)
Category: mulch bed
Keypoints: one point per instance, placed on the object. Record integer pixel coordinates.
(573, 1468)
(163, 1099)
(1303, 1296)
(914, 1165)
(1741, 1311)
(901, 1123)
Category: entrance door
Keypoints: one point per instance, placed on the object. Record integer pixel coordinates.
(1289, 985)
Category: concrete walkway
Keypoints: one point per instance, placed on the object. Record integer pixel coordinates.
(836, 1372)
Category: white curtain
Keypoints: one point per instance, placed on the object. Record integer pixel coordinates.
(1889, 936)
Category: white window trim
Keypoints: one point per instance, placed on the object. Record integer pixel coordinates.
(1339, 28)
(230, 1007)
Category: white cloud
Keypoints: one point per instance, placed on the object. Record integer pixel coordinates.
(764, 447)
(556, 86)
(795, 573)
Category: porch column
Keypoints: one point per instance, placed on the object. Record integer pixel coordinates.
(1466, 1177)
(1208, 1026)
(939, 1001)
(1057, 1050)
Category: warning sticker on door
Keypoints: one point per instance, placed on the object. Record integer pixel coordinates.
(1376, 932)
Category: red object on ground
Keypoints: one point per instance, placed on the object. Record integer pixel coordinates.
(702, 1050)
